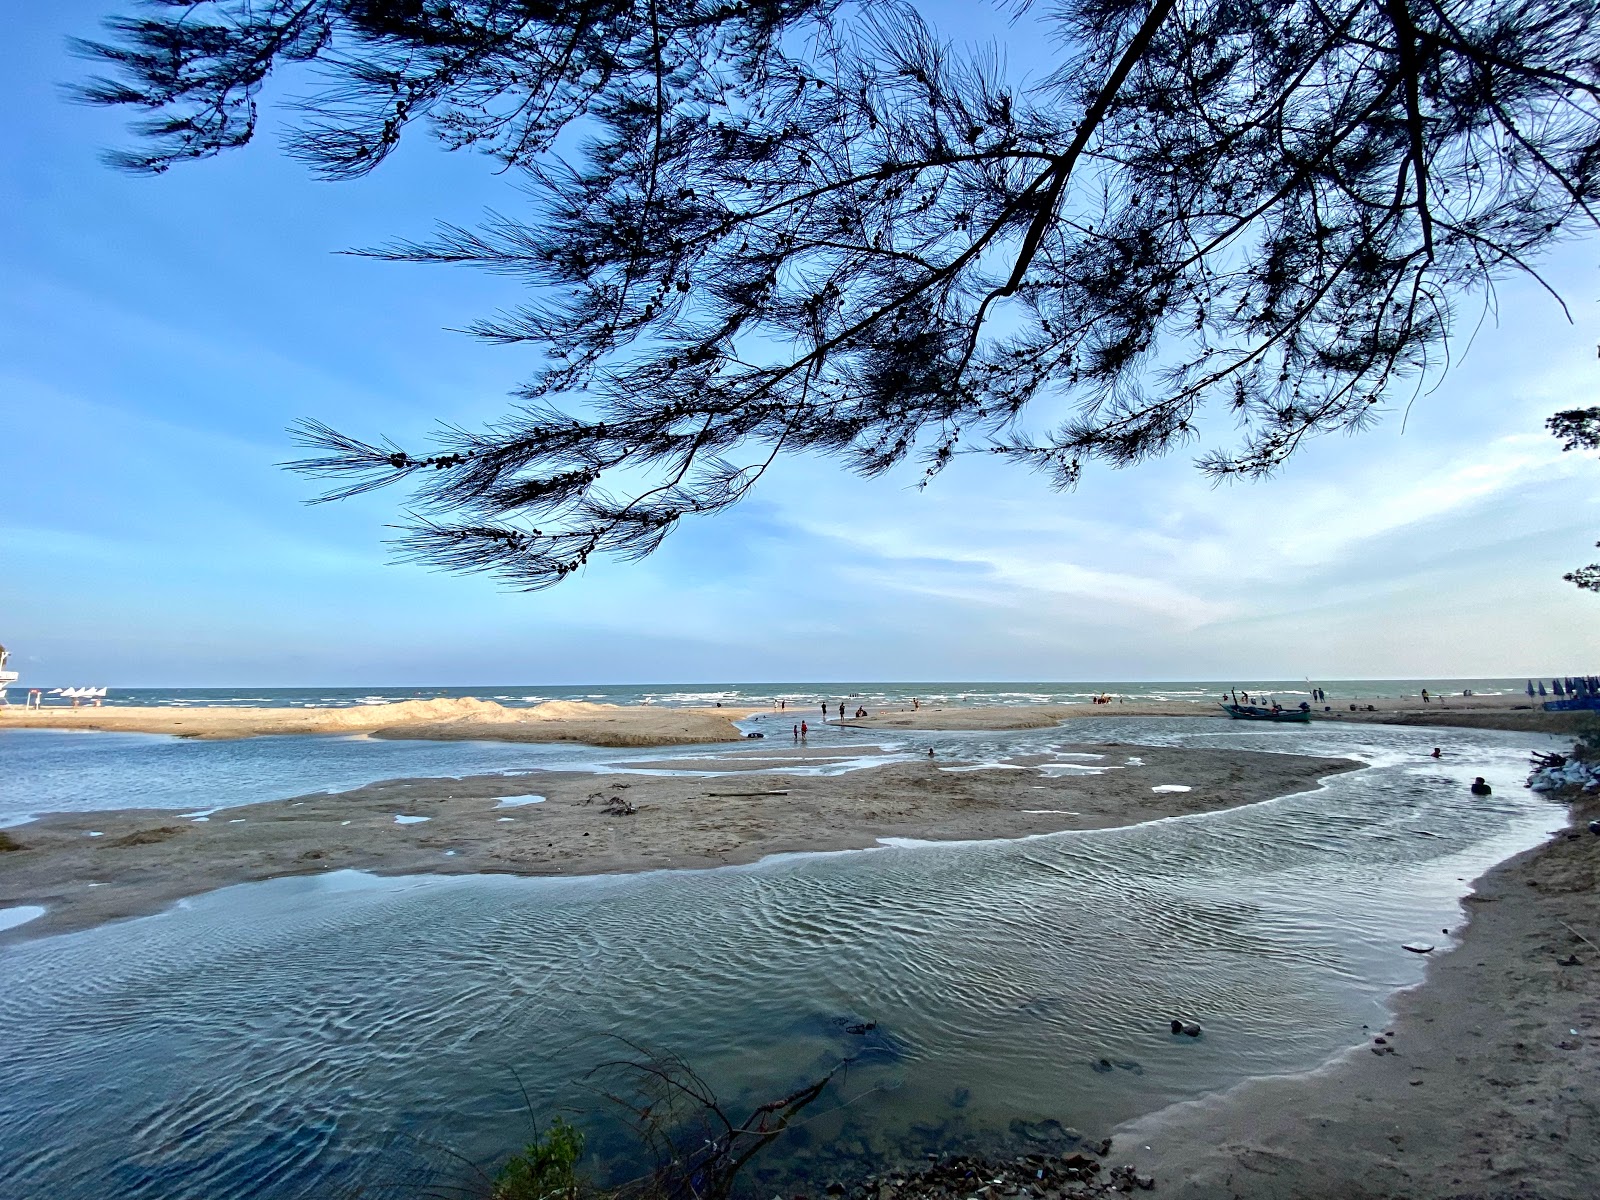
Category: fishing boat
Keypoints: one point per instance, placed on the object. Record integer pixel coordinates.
(1251, 712)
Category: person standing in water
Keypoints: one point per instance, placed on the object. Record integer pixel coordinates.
(803, 730)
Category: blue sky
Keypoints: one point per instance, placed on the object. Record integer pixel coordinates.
(157, 335)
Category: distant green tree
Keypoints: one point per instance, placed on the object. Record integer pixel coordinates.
(764, 227)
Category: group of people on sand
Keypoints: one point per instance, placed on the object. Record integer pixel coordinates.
(802, 729)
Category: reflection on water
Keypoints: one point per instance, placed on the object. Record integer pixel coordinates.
(273, 1039)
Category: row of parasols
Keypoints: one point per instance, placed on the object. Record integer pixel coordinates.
(1572, 685)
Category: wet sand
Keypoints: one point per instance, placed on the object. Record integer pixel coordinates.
(1487, 1083)
(86, 868)
(1476, 712)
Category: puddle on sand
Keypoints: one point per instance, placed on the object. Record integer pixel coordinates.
(20, 914)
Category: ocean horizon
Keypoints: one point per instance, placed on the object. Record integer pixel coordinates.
(882, 693)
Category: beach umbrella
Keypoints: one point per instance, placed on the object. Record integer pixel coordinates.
(1555, 686)
(1531, 692)
(1541, 687)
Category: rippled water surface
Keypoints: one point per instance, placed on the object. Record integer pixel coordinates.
(302, 1036)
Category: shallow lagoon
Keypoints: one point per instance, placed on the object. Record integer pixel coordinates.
(298, 1036)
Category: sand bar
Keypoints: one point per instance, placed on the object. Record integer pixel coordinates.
(469, 719)
(140, 860)
(1475, 712)
(465, 718)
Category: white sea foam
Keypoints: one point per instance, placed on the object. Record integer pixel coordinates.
(518, 802)
(1172, 787)
(404, 820)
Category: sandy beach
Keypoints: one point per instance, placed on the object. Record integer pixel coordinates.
(444, 719)
(86, 868)
(645, 726)
(1475, 712)
(1486, 1083)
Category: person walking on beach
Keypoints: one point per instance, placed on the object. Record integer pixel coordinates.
(841, 710)
(824, 712)
(803, 730)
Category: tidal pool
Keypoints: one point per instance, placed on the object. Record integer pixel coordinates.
(308, 1035)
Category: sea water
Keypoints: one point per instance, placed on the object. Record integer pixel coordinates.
(304, 1036)
(871, 693)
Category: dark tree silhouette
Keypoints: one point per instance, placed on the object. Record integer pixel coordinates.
(1579, 429)
(779, 226)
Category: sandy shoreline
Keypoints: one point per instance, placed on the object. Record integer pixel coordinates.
(1487, 1083)
(444, 720)
(644, 726)
(1476, 712)
(87, 868)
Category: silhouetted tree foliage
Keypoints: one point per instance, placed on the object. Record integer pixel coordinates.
(1579, 429)
(779, 226)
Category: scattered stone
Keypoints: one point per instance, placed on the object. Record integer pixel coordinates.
(1102, 1066)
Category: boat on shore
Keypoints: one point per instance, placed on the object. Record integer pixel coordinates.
(1252, 712)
